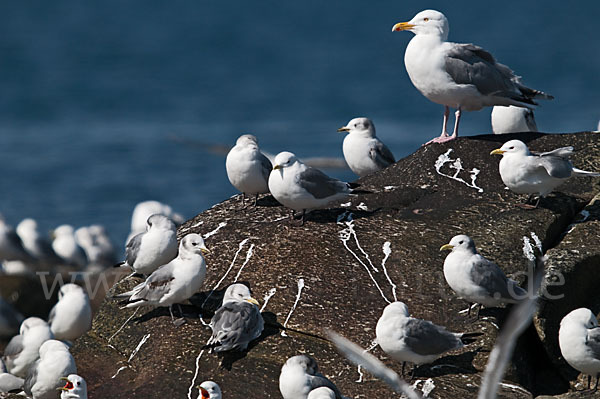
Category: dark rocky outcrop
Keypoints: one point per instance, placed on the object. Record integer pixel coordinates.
(413, 208)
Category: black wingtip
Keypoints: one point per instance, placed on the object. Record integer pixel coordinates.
(469, 338)
(119, 264)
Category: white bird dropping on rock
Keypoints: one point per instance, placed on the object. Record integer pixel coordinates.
(363, 151)
(71, 317)
(157, 246)
(43, 379)
(476, 279)
(247, 168)
(512, 119)
(579, 341)
(23, 349)
(75, 387)
(209, 390)
(300, 375)
(462, 76)
(527, 173)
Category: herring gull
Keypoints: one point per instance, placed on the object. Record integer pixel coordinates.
(512, 119)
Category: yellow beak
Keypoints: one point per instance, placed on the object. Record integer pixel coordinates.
(276, 167)
(343, 129)
(252, 301)
(205, 250)
(446, 247)
(497, 151)
(402, 26)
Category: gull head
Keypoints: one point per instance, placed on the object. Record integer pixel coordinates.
(193, 243)
(460, 243)
(284, 160)
(359, 126)
(160, 222)
(27, 225)
(69, 288)
(63, 230)
(582, 316)
(512, 147)
(247, 139)
(30, 323)
(304, 362)
(427, 22)
(239, 293)
(396, 308)
(74, 385)
(209, 390)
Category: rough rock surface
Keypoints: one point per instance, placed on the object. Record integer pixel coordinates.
(413, 209)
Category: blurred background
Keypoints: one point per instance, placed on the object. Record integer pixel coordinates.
(105, 104)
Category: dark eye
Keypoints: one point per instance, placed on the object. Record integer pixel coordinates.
(425, 19)
(511, 148)
(460, 242)
(194, 243)
(356, 125)
(78, 383)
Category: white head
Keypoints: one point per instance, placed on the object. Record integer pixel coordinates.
(460, 242)
(49, 347)
(160, 222)
(69, 289)
(145, 209)
(193, 243)
(75, 387)
(30, 323)
(284, 160)
(209, 390)
(512, 147)
(27, 225)
(304, 362)
(396, 308)
(581, 316)
(239, 293)
(427, 22)
(321, 393)
(247, 139)
(64, 230)
(359, 126)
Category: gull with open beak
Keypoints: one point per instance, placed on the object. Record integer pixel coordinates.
(527, 173)
(461, 76)
(237, 322)
(209, 390)
(75, 387)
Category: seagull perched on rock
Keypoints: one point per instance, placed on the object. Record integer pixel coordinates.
(512, 119)
(44, 377)
(527, 173)
(417, 341)
(23, 349)
(66, 246)
(71, 317)
(301, 187)
(237, 322)
(11, 246)
(157, 246)
(300, 376)
(144, 210)
(363, 151)
(75, 387)
(209, 390)
(247, 168)
(174, 282)
(36, 244)
(476, 279)
(461, 76)
(579, 341)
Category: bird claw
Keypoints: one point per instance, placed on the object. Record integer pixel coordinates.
(441, 139)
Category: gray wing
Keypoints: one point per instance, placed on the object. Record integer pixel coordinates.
(470, 64)
(492, 279)
(12, 350)
(530, 120)
(31, 378)
(235, 324)
(52, 314)
(157, 285)
(425, 338)
(593, 341)
(381, 155)
(266, 165)
(320, 185)
(556, 166)
(17, 245)
(563, 152)
(319, 380)
(132, 249)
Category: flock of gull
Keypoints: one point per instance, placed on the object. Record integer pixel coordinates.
(462, 76)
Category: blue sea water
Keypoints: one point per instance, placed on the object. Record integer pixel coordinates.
(105, 104)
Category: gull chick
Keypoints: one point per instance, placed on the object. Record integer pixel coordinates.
(476, 279)
(417, 341)
(527, 173)
(237, 322)
(155, 247)
(461, 76)
(23, 349)
(579, 341)
(300, 376)
(301, 187)
(43, 378)
(174, 282)
(512, 119)
(209, 390)
(247, 168)
(71, 317)
(363, 151)
(75, 387)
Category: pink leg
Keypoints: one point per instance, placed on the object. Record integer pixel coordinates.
(444, 136)
(456, 121)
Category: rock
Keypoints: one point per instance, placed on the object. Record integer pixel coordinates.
(398, 228)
